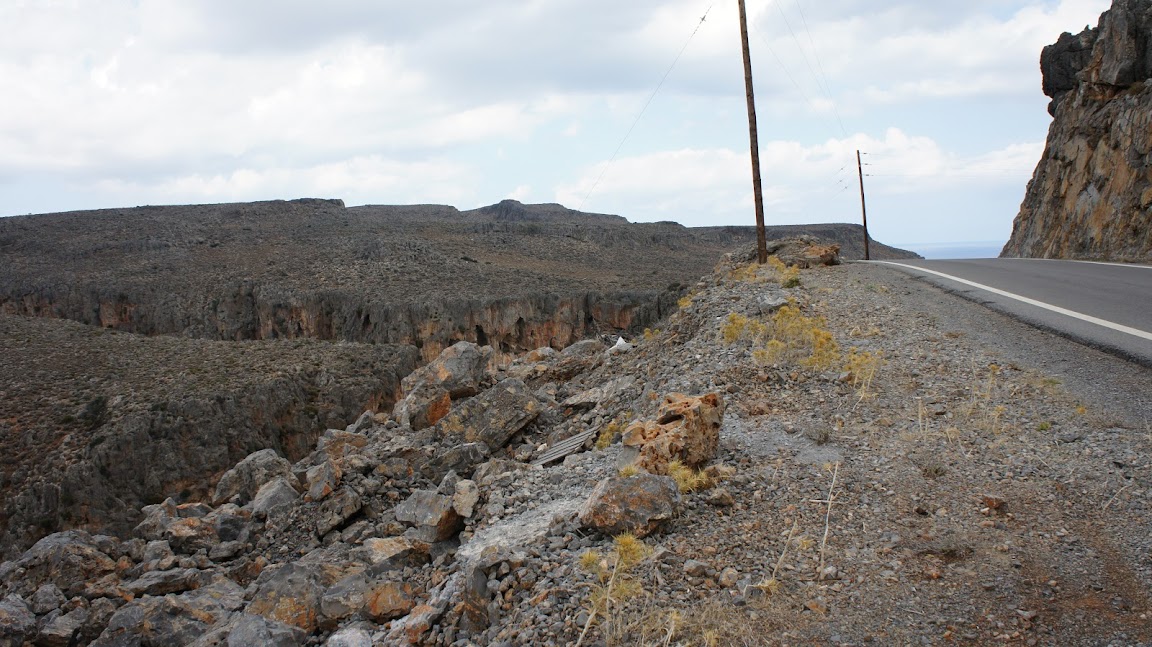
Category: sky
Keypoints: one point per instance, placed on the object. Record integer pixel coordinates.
(632, 108)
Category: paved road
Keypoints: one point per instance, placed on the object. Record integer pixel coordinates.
(1105, 306)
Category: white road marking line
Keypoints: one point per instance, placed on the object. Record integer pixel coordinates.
(1060, 260)
(1039, 304)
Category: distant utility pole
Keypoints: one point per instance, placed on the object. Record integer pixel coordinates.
(757, 192)
(863, 208)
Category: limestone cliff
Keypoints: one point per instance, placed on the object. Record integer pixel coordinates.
(1091, 195)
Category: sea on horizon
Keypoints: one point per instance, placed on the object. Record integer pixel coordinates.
(941, 251)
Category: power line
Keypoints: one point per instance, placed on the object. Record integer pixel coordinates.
(645, 108)
(820, 66)
(784, 67)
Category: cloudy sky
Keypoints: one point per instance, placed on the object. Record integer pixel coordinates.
(129, 102)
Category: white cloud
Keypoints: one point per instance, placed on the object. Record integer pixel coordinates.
(355, 180)
(702, 187)
(167, 101)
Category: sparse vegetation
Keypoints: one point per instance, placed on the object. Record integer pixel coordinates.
(614, 584)
(688, 479)
(787, 276)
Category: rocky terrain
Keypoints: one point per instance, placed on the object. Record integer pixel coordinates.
(95, 423)
(841, 468)
(1091, 194)
(512, 276)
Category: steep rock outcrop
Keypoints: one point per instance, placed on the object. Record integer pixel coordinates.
(1091, 194)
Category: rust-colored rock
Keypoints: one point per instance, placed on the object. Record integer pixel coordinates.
(638, 504)
(686, 430)
(424, 406)
(290, 595)
(389, 600)
(812, 256)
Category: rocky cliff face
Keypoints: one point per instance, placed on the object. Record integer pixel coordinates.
(1091, 194)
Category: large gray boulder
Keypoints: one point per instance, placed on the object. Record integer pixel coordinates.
(17, 622)
(431, 515)
(492, 417)
(250, 474)
(69, 560)
(258, 630)
(277, 494)
(62, 629)
(460, 370)
(172, 619)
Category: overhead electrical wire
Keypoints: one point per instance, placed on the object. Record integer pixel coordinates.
(645, 108)
(820, 67)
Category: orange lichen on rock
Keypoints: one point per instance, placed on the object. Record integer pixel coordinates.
(687, 430)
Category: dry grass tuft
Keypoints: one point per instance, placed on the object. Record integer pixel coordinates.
(688, 479)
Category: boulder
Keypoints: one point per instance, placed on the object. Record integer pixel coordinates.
(157, 518)
(586, 348)
(232, 523)
(165, 582)
(63, 629)
(157, 550)
(424, 406)
(638, 504)
(461, 459)
(599, 395)
(67, 559)
(190, 535)
(172, 619)
(460, 370)
(465, 497)
(411, 629)
(336, 443)
(389, 600)
(245, 479)
(379, 600)
(17, 622)
(249, 630)
(277, 494)
(100, 612)
(225, 551)
(336, 510)
(343, 599)
(366, 421)
(290, 595)
(47, 599)
(687, 429)
(349, 637)
(492, 417)
(323, 479)
(388, 553)
(812, 256)
(431, 514)
(474, 599)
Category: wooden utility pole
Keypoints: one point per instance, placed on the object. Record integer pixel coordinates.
(757, 191)
(863, 208)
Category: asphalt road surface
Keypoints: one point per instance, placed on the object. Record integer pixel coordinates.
(1106, 306)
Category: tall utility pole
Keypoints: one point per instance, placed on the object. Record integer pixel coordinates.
(757, 191)
(863, 208)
